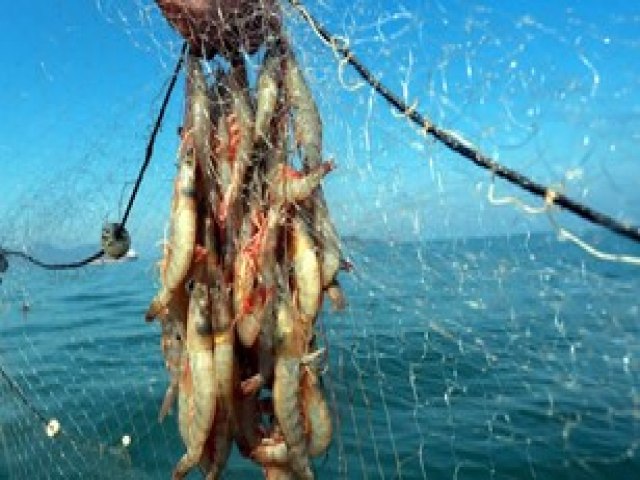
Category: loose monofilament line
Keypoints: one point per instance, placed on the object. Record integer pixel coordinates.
(474, 344)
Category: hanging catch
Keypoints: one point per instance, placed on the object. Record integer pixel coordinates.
(252, 237)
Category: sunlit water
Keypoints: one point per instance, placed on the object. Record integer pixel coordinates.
(501, 358)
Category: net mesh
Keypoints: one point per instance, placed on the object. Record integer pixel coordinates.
(478, 341)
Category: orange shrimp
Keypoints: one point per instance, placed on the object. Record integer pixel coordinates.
(241, 137)
(253, 282)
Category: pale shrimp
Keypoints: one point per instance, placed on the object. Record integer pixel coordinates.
(307, 123)
(183, 231)
(308, 134)
(271, 451)
(222, 432)
(306, 270)
(197, 396)
(316, 413)
(218, 446)
(329, 252)
(200, 121)
(267, 95)
(292, 335)
(317, 421)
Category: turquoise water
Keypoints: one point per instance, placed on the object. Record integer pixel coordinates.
(504, 358)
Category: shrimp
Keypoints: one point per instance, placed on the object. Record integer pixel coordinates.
(241, 139)
(271, 451)
(254, 264)
(220, 438)
(308, 133)
(200, 120)
(307, 123)
(219, 93)
(218, 447)
(287, 185)
(316, 413)
(273, 455)
(183, 231)
(267, 96)
(197, 395)
(274, 451)
(306, 270)
(293, 337)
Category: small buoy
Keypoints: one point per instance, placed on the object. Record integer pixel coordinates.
(126, 441)
(115, 240)
(52, 428)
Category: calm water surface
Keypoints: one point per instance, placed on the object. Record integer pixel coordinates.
(484, 359)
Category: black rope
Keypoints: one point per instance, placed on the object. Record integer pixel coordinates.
(154, 133)
(458, 145)
(147, 159)
(52, 266)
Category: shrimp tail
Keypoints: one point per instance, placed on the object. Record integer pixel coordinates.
(316, 411)
(156, 309)
(271, 452)
(286, 405)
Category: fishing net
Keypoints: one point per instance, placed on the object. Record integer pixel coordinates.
(488, 333)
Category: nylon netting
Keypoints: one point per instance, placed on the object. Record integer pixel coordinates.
(479, 340)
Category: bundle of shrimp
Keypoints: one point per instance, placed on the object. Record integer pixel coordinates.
(251, 253)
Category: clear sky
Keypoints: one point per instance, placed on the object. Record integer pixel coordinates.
(549, 88)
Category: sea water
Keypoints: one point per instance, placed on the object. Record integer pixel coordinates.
(502, 358)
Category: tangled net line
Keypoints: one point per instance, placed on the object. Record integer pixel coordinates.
(452, 140)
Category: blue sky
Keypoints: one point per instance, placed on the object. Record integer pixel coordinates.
(549, 88)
